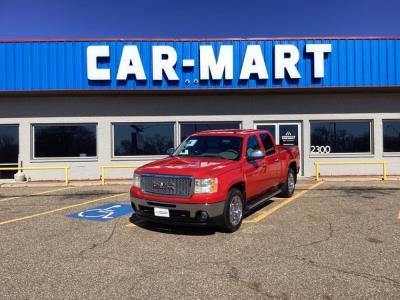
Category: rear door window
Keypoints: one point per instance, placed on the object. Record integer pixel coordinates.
(268, 144)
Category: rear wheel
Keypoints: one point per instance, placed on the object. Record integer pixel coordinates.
(233, 212)
(290, 184)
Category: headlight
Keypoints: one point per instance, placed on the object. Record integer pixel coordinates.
(136, 180)
(207, 185)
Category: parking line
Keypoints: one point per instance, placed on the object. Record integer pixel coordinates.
(35, 194)
(6, 199)
(266, 213)
(59, 209)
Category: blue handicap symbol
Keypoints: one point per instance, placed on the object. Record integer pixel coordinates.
(103, 213)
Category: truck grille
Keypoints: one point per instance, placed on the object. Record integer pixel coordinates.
(175, 186)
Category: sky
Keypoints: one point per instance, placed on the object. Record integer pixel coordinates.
(42, 19)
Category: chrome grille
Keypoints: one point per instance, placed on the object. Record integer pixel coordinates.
(168, 185)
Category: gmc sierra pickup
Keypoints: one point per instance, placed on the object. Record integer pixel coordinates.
(214, 178)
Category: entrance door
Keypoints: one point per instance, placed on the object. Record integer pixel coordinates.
(9, 149)
(285, 133)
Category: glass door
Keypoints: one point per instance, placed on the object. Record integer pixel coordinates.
(285, 133)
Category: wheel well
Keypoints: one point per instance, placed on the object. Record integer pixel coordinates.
(241, 187)
(293, 166)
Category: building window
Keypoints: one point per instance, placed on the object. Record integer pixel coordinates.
(143, 138)
(9, 144)
(391, 136)
(66, 140)
(340, 137)
(190, 128)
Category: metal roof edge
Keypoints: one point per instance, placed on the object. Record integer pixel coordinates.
(38, 40)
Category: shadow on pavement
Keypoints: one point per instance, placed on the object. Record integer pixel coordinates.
(173, 229)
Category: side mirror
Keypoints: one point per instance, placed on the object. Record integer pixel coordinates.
(170, 151)
(256, 154)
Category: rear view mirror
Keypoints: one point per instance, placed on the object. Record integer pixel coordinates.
(256, 154)
(170, 151)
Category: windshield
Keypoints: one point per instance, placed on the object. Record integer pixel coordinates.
(225, 147)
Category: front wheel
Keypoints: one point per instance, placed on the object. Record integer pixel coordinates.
(289, 185)
(233, 212)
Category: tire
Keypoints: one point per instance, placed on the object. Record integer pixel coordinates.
(290, 184)
(233, 211)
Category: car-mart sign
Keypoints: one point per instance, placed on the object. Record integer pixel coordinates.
(164, 61)
(199, 64)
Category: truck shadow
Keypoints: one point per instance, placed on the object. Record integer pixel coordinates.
(173, 229)
(186, 229)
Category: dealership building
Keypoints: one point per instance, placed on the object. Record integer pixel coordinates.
(91, 103)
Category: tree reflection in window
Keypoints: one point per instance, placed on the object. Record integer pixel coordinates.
(65, 140)
(342, 136)
(143, 138)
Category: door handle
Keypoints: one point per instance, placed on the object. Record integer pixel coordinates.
(276, 160)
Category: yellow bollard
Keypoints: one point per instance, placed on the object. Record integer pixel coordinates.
(66, 176)
(384, 170)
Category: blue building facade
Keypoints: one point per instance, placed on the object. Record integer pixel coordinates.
(63, 65)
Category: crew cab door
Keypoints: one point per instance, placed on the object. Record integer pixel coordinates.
(272, 161)
(254, 170)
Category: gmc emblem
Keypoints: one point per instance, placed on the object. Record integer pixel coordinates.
(164, 186)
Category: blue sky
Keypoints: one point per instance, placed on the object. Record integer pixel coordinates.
(26, 19)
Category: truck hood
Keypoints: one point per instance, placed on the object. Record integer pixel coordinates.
(203, 167)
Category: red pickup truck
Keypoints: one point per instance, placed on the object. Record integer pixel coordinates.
(214, 178)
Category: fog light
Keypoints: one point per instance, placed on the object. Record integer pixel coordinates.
(202, 216)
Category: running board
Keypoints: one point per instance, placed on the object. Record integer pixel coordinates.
(264, 198)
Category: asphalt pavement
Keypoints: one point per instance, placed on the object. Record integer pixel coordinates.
(332, 240)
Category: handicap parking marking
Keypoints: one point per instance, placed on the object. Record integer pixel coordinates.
(103, 213)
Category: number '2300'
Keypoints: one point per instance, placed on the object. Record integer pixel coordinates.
(320, 149)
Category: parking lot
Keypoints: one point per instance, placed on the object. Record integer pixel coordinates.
(332, 240)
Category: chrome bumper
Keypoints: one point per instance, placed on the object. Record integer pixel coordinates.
(213, 209)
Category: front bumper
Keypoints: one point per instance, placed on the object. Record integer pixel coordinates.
(179, 212)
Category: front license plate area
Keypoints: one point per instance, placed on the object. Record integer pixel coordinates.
(161, 212)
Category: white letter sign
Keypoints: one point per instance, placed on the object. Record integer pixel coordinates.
(283, 63)
(208, 64)
(130, 64)
(253, 63)
(164, 59)
(93, 53)
(319, 50)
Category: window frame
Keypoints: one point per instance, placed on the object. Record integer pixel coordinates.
(388, 154)
(137, 157)
(180, 123)
(346, 154)
(63, 158)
